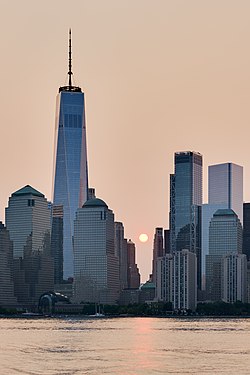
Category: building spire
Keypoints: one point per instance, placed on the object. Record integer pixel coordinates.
(70, 87)
(70, 60)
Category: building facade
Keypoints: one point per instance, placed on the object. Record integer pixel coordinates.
(177, 279)
(246, 230)
(185, 205)
(234, 278)
(121, 254)
(70, 162)
(225, 186)
(134, 277)
(158, 251)
(96, 266)
(225, 236)
(6, 268)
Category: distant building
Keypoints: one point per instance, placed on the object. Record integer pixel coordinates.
(166, 241)
(246, 230)
(225, 186)
(70, 177)
(28, 219)
(133, 271)
(185, 205)
(147, 292)
(234, 278)
(122, 255)
(177, 279)
(225, 236)
(158, 251)
(57, 243)
(96, 267)
(28, 222)
(6, 268)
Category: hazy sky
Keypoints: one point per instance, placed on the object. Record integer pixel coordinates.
(159, 76)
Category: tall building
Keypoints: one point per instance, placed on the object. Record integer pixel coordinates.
(70, 162)
(225, 186)
(185, 205)
(158, 251)
(207, 213)
(6, 268)
(95, 263)
(225, 236)
(177, 279)
(57, 242)
(28, 219)
(122, 254)
(234, 278)
(246, 230)
(133, 271)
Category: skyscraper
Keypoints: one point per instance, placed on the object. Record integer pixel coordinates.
(185, 205)
(225, 236)
(225, 186)
(70, 161)
(96, 265)
(158, 251)
(246, 230)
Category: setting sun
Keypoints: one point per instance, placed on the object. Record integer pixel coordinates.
(143, 237)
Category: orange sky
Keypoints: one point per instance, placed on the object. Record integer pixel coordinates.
(159, 76)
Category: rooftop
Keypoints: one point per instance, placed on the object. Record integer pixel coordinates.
(95, 202)
(27, 190)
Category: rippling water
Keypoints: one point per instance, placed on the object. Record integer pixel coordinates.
(127, 346)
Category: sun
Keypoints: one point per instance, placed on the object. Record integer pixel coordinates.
(143, 237)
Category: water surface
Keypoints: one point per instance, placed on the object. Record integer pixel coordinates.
(124, 346)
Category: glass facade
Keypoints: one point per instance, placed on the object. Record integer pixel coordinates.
(70, 166)
(185, 205)
(225, 186)
(225, 236)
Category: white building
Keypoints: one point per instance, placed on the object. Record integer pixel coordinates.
(234, 278)
(96, 269)
(177, 279)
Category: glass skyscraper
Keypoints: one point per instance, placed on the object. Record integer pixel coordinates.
(225, 186)
(185, 205)
(70, 162)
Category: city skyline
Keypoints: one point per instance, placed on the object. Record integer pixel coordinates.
(151, 71)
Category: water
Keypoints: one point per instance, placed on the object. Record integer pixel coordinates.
(124, 346)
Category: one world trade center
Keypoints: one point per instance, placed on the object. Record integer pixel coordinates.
(70, 161)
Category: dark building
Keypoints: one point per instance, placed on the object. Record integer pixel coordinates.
(6, 268)
(157, 250)
(121, 253)
(166, 241)
(246, 230)
(185, 205)
(133, 272)
(57, 243)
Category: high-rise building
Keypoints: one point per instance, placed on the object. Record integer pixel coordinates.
(225, 236)
(6, 268)
(166, 241)
(246, 230)
(225, 186)
(122, 254)
(28, 219)
(234, 278)
(57, 242)
(207, 213)
(185, 205)
(95, 263)
(133, 271)
(70, 162)
(158, 251)
(177, 279)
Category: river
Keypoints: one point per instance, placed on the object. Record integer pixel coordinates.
(124, 346)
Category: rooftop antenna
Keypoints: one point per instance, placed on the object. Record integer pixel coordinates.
(70, 61)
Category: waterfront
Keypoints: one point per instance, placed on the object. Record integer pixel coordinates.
(124, 346)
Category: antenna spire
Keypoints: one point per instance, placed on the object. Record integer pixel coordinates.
(70, 61)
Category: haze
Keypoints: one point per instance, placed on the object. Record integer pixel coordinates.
(159, 76)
